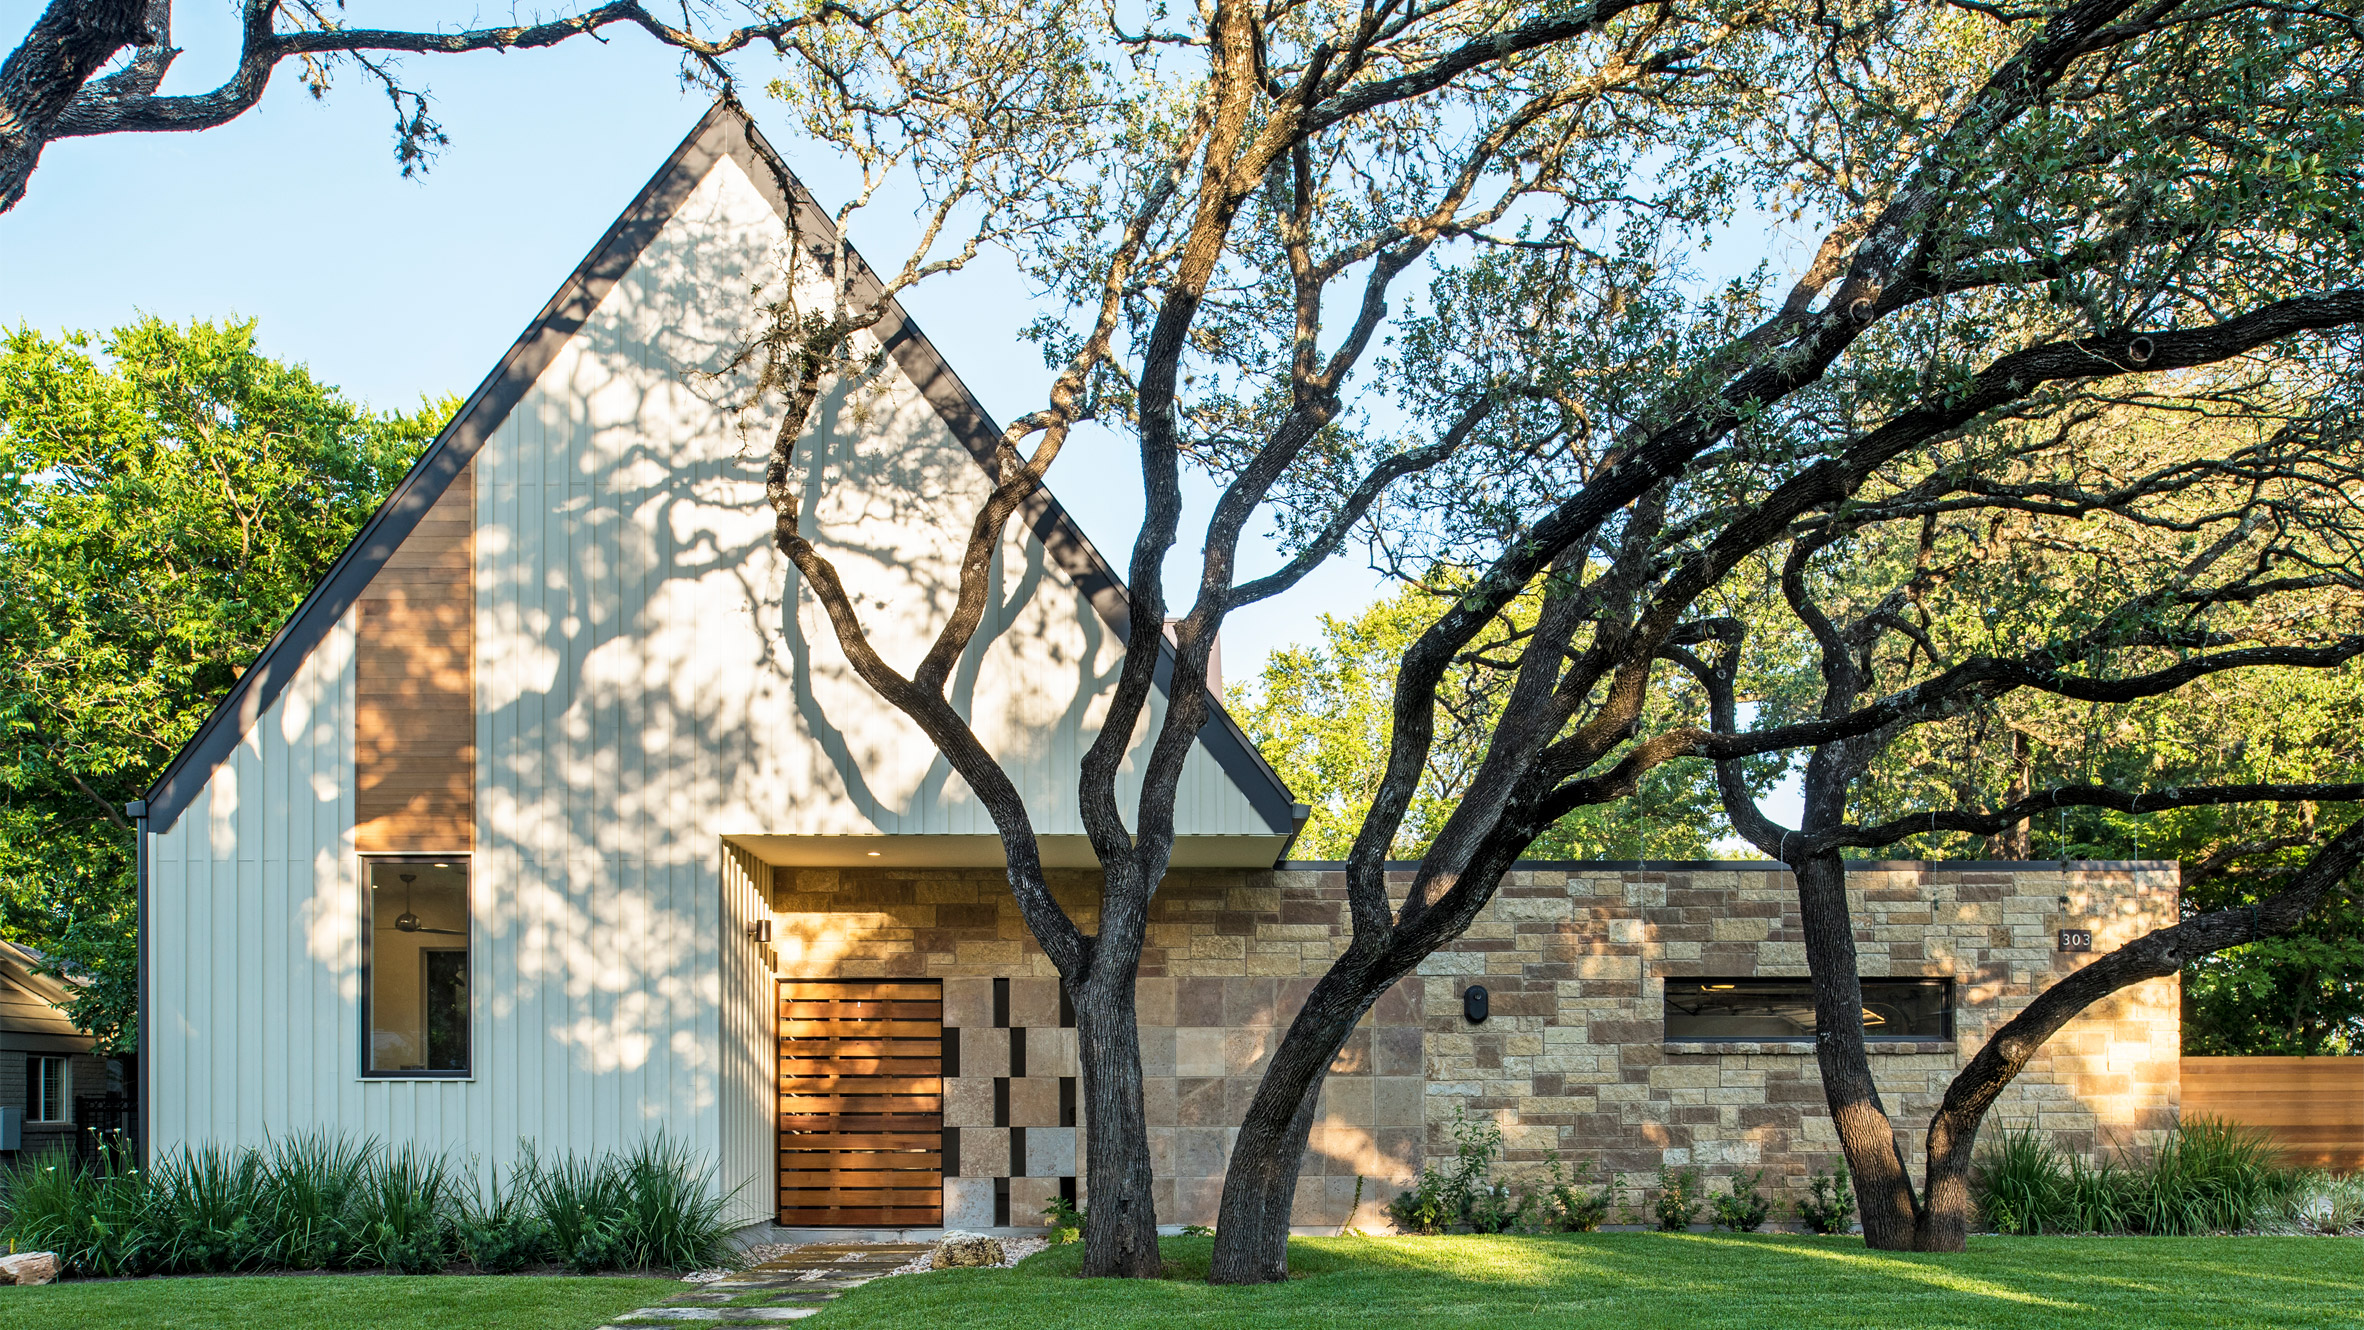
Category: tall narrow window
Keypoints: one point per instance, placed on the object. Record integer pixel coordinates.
(46, 1091)
(414, 998)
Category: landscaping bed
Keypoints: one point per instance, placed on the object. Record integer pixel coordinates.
(1645, 1281)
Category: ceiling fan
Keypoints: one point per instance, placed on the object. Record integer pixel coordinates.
(407, 922)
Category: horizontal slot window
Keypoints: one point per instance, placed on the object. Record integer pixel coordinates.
(1777, 1010)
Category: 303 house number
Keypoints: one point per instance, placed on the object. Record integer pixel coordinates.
(2076, 939)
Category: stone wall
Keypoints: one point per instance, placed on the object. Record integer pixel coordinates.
(1573, 1058)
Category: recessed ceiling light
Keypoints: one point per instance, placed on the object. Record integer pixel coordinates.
(872, 853)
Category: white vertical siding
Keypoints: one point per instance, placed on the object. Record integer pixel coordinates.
(750, 1055)
(644, 690)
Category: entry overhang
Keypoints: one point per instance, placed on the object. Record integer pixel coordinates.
(883, 851)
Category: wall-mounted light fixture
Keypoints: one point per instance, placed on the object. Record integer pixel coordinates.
(760, 930)
(1474, 1004)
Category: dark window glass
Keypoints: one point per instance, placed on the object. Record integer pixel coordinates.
(414, 1006)
(45, 1089)
(1766, 1010)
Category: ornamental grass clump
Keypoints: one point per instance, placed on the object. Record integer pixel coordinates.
(673, 1209)
(322, 1202)
(2208, 1176)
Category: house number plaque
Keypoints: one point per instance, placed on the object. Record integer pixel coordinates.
(2076, 939)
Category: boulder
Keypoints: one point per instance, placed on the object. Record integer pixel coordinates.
(32, 1267)
(959, 1249)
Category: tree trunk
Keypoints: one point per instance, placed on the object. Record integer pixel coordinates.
(2012, 841)
(1946, 1207)
(1883, 1188)
(1121, 1238)
(1260, 1184)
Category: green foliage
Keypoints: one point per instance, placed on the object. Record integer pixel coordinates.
(316, 1201)
(1422, 1209)
(1742, 1209)
(1322, 715)
(2208, 1177)
(167, 496)
(1566, 1205)
(404, 1211)
(312, 1183)
(1829, 1206)
(1470, 1196)
(1681, 1192)
(2317, 1202)
(1064, 1220)
(673, 1209)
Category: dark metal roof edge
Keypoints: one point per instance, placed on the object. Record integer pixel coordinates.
(461, 439)
(1771, 865)
(974, 427)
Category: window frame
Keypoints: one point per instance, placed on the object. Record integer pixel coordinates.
(1944, 984)
(37, 1081)
(363, 906)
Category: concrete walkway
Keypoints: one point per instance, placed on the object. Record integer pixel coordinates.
(787, 1289)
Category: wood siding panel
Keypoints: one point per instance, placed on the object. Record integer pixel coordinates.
(860, 1144)
(2313, 1108)
(414, 686)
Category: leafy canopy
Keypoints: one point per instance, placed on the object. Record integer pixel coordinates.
(167, 496)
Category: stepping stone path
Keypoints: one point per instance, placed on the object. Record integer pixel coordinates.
(788, 1288)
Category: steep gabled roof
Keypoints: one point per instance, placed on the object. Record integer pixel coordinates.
(723, 132)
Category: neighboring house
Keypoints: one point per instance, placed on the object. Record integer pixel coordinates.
(44, 1060)
(556, 815)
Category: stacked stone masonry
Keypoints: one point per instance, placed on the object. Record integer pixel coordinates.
(1573, 1058)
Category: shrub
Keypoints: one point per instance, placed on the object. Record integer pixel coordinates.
(1422, 1209)
(1468, 1195)
(1829, 1206)
(503, 1234)
(1494, 1208)
(673, 1209)
(404, 1212)
(1566, 1204)
(1743, 1209)
(2020, 1183)
(207, 1211)
(581, 1204)
(98, 1217)
(1067, 1223)
(2208, 1177)
(2316, 1202)
(310, 1183)
(1477, 1144)
(1680, 1194)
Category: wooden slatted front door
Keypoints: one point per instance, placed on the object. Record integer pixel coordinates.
(861, 1102)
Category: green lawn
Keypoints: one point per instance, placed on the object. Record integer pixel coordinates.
(330, 1302)
(1646, 1281)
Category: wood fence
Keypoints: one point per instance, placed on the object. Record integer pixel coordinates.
(2312, 1107)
